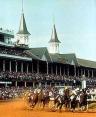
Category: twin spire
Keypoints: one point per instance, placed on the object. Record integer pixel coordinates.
(23, 27)
(23, 36)
(54, 37)
(54, 42)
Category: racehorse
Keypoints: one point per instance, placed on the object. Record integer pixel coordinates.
(67, 98)
(43, 98)
(61, 100)
(73, 102)
(79, 100)
(38, 98)
(33, 99)
(83, 100)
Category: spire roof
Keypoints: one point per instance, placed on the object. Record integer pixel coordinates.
(23, 27)
(54, 37)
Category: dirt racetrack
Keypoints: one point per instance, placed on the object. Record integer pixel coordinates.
(18, 108)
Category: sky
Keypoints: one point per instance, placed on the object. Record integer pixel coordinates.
(75, 22)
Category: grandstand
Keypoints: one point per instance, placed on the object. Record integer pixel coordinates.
(24, 66)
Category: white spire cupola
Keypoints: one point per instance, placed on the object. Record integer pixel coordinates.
(23, 34)
(54, 42)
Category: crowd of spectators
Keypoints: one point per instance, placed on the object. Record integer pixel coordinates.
(40, 77)
(7, 93)
(13, 51)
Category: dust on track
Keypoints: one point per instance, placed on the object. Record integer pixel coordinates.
(19, 108)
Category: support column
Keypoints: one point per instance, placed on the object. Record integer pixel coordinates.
(88, 73)
(74, 71)
(92, 73)
(16, 66)
(3, 65)
(27, 67)
(16, 84)
(64, 71)
(51, 69)
(47, 68)
(78, 72)
(25, 84)
(6, 84)
(50, 84)
(81, 72)
(60, 71)
(84, 72)
(22, 67)
(32, 67)
(33, 85)
(10, 66)
(40, 84)
(56, 69)
(37, 66)
(68, 71)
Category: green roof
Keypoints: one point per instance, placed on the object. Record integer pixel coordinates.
(86, 63)
(71, 58)
(23, 27)
(41, 53)
(58, 58)
(64, 58)
(31, 55)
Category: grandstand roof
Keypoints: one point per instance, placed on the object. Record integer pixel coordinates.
(71, 58)
(86, 63)
(31, 55)
(64, 58)
(40, 53)
(58, 58)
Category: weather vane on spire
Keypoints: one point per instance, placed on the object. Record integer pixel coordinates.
(53, 19)
(22, 6)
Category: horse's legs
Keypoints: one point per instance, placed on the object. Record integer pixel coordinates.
(60, 107)
(87, 106)
(58, 104)
(66, 106)
(81, 108)
(43, 104)
(70, 105)
(78, 105)
(39, 104)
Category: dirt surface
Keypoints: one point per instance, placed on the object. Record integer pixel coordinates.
(19, 108)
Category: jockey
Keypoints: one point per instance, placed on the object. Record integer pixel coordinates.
(65, 88)
(50, 93)
(35, 91)
(72, 96)
(38, 90)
